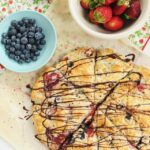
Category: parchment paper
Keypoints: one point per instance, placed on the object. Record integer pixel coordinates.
(14, 94)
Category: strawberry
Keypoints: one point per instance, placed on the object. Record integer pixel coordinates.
(96, 3)
(115, 23)
(108, 2)
(134, 10)
(91, 16)
(101, 14)
(85, 4)
(120, 7)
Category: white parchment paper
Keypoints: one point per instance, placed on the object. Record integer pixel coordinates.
(13, 93)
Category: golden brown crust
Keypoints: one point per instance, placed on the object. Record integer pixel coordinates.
(93, 99)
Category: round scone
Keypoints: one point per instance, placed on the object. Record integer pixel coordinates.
(93, 100)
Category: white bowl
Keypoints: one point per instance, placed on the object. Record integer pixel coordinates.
(78, 14)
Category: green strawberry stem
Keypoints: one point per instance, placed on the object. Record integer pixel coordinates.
(98, 18)
(96, 3)
(125, 16)
(124, 2)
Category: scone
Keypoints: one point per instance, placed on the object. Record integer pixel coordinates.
(93, 100)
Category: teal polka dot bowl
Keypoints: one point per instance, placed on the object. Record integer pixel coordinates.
(46, 53)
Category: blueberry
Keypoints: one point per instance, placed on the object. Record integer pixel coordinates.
(34, 48)
(22, 56)
(17, 46)
(34, 25)
(18, 27)
(43, 35)
(28, 26)
(29, 47)
(12, 49)
(11, 27)
(13, 44)
(32, 29)
(37, 53)
(27, 29)
(13, 31)
(14, 22)
(30, 34)
(28, 60)
(38, 29)
(8, 41)
(7, 37)
(24, 19)
(22, 47)
(27, 55)
(18, 41)
(12, 56)
(24, 40)
(21, 23)
(13, 38)
(20, 61)
(18, 53)
(4, 35)
(27, 52)
(40, 47)
(43, 42)
(32, 21)
(34, 58)
(38, 42)
(7, 52)
(17, 58)
(7, 47)
(4, 41)
(38, 35)
(19, 35)
(9, 33)
(24, 51)
(31, 40)
(31, 54)
(22, 29)
(25, 34)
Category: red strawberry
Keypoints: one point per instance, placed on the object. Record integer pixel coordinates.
(120, 7)
(91, 16)
(115, 23)
(101, 14)
(134, 10)
(108, 2)
(85, 4)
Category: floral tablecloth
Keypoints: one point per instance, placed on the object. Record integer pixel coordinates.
(9, 6)
(14, 128)
(140, 39)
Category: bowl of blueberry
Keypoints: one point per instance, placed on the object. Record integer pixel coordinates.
(28, 41)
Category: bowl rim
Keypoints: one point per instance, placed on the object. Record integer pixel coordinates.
(109, 36)
(45, 60)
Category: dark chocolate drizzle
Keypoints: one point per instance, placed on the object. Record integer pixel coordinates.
(48, 108)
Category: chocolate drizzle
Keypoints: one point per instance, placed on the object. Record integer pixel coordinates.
(128, 115)
(52, 102)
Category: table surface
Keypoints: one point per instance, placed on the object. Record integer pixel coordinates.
(14, 95)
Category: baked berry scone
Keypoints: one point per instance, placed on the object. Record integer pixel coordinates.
(93, 100)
